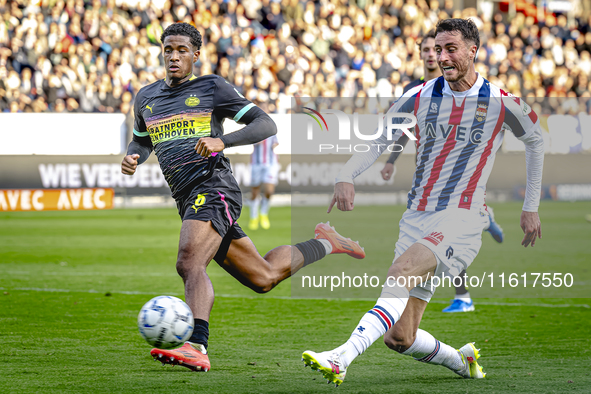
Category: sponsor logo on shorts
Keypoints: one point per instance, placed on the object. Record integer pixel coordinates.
(199, 201)
(449, 252)
(435, 238)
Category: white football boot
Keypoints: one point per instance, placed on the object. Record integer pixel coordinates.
(329, 364)
(471, 368)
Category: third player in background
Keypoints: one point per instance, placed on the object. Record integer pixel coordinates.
(264, 171)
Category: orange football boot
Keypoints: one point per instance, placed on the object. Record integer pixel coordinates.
(339, 243)
(185, 356)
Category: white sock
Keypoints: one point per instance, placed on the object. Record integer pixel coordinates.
(429, 350)
(265, 205)
(374, 323)
(254, 208)
(327, 245)
(464, 297)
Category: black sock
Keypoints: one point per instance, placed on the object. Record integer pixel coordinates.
(461, 289)
(200, 332)
(313, 250)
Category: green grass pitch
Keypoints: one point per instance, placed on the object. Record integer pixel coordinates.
(72, 284)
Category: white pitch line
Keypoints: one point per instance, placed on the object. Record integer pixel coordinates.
(518, 304)
(521, 304)
(95, 274)
(91, 291)
(90, 273)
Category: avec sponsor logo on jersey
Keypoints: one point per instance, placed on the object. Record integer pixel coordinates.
(192, 101)
(474, 135)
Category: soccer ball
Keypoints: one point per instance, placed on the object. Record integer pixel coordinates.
(165, 322)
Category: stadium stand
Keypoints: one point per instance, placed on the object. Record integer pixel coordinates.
(94, 56)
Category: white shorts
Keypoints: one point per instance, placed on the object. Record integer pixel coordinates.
(453, 235)
(264, 173)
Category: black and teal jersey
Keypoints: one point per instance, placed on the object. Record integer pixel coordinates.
(172, 119)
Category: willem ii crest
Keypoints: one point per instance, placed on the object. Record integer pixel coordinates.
(481, 110)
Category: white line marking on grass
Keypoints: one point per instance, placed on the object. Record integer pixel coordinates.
(89, 273)
(92, 291)
(520, 304)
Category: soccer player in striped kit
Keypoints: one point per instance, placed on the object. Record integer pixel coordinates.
(264, 171)
(462, 301)
(461, 122)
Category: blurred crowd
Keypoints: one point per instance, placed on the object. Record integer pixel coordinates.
(94, 55)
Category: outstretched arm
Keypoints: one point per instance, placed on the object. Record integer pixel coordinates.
(344, 195)
(534, 162)
(259, 126)
(361, 161)
(524, 123)
(229, 103)
(344, 190)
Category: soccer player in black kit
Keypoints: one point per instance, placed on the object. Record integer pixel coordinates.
(180, 118)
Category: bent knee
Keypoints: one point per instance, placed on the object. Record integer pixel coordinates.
(183, 268)
(398, 341)
(262, 289)
(187, 267)
(262, 284)
(403, 266)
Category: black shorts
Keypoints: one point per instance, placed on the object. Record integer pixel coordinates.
(217, 200)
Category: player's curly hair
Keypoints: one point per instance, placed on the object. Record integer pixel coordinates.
(466, 27)
(183, 29)
(430, 34)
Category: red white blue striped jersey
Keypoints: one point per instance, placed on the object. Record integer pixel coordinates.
(263, 152)
(458, 136)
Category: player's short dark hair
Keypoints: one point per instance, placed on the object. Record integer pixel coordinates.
(183, 29)
(430, 34)
(466, 27)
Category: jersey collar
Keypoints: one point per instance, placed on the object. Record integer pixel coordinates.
(473, 91)
(166, 87)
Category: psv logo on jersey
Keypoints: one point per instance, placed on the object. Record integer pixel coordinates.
(192, 101)
(481, 111)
